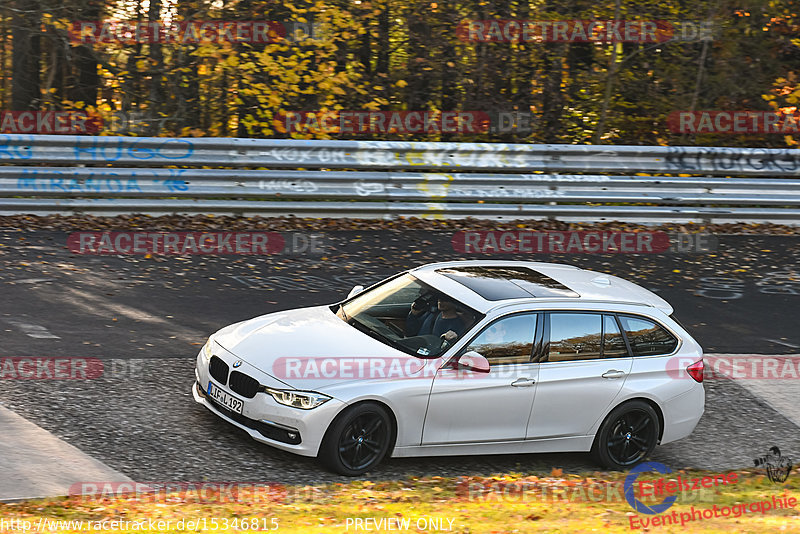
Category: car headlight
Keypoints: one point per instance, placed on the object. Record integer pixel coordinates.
(207, 350)
(305, 400)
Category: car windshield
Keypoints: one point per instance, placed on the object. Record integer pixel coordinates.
(409, 315)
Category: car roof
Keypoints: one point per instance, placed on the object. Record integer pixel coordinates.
(486, 284)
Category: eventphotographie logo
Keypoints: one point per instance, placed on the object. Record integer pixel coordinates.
(630, 496)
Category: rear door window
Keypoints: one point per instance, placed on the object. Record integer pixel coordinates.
(575, 336)
(613, 340)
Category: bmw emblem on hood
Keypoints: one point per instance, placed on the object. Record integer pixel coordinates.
(237, 363)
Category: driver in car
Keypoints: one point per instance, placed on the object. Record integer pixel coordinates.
(420, 312)
(446, 324)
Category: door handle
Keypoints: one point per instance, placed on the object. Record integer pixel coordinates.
(523, 382)
(613, 373)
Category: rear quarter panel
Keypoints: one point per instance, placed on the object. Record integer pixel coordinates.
(664, 380)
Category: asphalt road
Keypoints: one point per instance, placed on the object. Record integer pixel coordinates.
(147, 317)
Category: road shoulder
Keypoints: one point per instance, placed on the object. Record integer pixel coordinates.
(35, 463)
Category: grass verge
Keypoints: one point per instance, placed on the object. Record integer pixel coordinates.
(590, 502)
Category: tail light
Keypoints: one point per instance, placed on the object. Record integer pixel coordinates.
(696, 371)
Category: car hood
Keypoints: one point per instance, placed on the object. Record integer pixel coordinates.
(309, 348)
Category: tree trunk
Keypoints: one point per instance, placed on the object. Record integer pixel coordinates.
(552, 94)
(26, 56)
(418, 56)
(612, 72)
(382, 65)
(553, 98)
(155, 97)
(186, 81)
(87, 80)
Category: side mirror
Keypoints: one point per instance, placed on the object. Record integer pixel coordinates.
(355, 291)
(473, 361)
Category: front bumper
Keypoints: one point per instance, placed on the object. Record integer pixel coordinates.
(267, 429)
(283, 427)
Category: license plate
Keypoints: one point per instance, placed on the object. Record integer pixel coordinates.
(225, 398)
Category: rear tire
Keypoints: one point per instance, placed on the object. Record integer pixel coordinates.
(627, 436)
(357, 440)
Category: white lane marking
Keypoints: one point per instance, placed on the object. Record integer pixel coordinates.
(102, 307)
(32, 330)
(790, 345)
(32, 280)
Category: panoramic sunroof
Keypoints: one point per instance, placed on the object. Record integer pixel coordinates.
(500, 283)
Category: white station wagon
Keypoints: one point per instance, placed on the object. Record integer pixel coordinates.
(467, 357)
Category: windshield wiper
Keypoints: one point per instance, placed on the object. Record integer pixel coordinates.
(344, 314)
(367, 330)
(376, 335)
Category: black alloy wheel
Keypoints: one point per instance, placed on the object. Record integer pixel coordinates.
(627, 436)
(357, 440)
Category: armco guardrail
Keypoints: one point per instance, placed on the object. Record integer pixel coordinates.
(68, 174)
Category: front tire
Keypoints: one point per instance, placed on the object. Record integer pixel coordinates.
(357, 440)
(627, 436)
